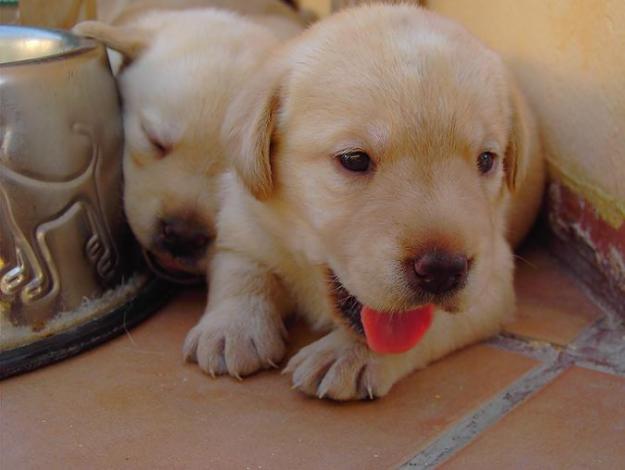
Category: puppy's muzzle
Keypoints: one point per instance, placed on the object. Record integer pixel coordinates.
(178, 248)
(182, 239)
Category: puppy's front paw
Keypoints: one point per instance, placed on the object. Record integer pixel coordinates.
(340, 368)
(235, 342)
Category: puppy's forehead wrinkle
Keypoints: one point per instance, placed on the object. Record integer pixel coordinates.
(430, 114)
(435, 83)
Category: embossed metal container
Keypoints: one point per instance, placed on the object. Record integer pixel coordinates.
(61, 222)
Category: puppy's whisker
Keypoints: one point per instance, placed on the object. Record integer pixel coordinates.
(526, 261)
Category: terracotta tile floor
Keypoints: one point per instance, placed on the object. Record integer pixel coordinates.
(548, 393)
(577, 421)
(550, 305)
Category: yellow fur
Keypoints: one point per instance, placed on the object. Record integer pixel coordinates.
(182, 68)
(423, 98)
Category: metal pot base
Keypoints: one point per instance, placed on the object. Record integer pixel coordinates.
(127, 305)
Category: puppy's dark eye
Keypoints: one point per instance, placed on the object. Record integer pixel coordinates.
(486, 162)
(161, 148)
(355, 161)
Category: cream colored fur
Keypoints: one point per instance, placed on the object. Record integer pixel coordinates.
(183, 66)
(423, 98)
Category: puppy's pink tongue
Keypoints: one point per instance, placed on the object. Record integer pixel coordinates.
(398, 332)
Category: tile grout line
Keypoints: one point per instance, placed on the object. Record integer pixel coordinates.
(586, 350)
(591, 365)
(542, 351)
(545, 351)
(469, 427)
(593, 350)
(554, 359)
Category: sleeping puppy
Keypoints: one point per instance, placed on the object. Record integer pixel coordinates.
(180, 71)
(385, 164)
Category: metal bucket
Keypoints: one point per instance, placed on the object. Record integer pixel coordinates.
(62, 230)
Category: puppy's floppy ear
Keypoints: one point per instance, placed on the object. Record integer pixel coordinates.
(128, 41)
(250, 129)
(523, 138)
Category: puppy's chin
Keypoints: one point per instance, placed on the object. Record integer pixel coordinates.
(174, 270)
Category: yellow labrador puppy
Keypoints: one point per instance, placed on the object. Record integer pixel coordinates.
(181, 68)
(385, 162)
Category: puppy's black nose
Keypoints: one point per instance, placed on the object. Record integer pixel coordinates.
(439, 272)
(182, 238)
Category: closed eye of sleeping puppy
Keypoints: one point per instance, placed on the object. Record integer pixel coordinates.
(385, 163)
(182, 67)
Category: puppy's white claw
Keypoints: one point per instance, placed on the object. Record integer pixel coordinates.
(337, 367)
(227, 342)
(190, 346)
(187, 357)
(289, 368)
(322, 390)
